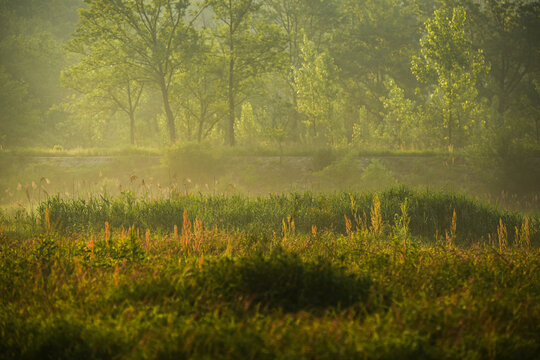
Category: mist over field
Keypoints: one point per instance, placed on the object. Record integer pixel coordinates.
(313, 179)
(269, 96)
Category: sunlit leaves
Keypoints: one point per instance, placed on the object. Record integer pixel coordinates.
(316, 88)
(155, 38)
(448, 62)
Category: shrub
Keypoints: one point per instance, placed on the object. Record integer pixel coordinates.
(322, 158)
(376, 175)
(198, 162)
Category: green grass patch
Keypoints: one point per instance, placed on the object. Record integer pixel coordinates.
(431, 214)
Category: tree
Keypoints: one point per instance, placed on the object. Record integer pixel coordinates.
(448, 63)
(249, 47)
(153, 34)
(18, 116)
(400, 120)
(509, 33)
(296, 18)
(104, 82)
(375, 41)
(316, 89)
(200, 90)
(31, 58)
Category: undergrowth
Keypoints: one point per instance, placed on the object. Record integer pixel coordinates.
(225, 281)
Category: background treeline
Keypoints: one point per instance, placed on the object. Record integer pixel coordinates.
(385, 74)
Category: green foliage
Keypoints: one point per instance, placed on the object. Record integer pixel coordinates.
(248, 45)
(341, 174)
(376, 175)
(197, 162)
(401, 127)
(315, 295)
(104, 84)
(155, 38)
(431, 213)
(317, 91)
(322, 158)
(449, 64)
(323, 72)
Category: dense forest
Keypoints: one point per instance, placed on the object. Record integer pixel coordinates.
(385, 74)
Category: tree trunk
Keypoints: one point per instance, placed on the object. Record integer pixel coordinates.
(202, 118)
(229, 128)
(132, 127)
(450, 128)
(230, 124)
(537, 131)
(199, 132)
(168, 111)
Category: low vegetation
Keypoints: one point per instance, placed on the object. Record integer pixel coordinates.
(397, 274)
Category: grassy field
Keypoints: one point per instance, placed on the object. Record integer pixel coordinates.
(388, 275)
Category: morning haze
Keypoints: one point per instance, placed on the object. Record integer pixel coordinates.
(269, 179)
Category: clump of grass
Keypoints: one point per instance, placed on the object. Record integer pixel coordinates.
(430, 214)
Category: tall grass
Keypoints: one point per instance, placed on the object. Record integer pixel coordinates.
(303, 296)
(432, 215)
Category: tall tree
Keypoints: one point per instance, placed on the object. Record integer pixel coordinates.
(154, 35)
(448, 63)
(19, 114)
(31, 56)
(317, 89)
(104, 82)
(200, 90)
(250, 48)
(375, 42)
(298, 18)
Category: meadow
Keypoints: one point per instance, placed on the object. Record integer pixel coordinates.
(391, 274)
(269, 179)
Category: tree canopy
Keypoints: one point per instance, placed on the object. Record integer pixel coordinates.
(424, 74)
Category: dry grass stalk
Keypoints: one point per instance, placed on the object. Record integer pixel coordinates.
(116, 275)
(198, 232)
(108, 233)
(186, 230)
(229, 248)
(502, 234)
(348, 227)
(47, 220)
(91, 246)
(201, 263)
(376, 216)
(147, 239)
(288, 227)
(451, 238)
(361, 220)
(525, 234)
